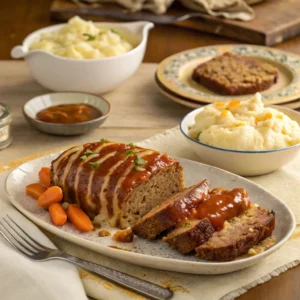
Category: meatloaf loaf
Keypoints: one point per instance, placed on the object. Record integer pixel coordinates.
(230, 74)
(239, 235)
(171, 211)
(119, 182)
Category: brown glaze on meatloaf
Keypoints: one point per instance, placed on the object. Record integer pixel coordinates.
(220, 205)
(230, 74)
(189, 235)
(116, 181)
(239, 235)
(171, 211)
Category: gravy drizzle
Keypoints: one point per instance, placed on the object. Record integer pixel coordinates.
(222, 205)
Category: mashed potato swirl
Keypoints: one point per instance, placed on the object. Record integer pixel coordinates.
(81, 39)
(245, 125)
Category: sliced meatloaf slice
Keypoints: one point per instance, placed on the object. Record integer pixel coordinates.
(239, 235)
(209, 216)
(171, 211)
(191, 234)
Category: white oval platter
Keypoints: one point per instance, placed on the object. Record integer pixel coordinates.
(153, 254)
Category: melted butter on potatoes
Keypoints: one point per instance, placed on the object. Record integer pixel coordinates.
(245, 125)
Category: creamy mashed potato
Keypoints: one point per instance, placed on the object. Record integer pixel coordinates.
(245, 125)
(81, 39)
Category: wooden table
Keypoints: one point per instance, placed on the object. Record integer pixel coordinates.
(131, 119)
(148, 115)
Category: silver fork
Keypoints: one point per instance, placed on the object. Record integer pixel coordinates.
(31, 248)
(137, 16)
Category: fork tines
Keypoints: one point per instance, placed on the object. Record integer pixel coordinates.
(18, 238)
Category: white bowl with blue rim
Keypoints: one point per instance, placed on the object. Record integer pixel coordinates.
(245, 163)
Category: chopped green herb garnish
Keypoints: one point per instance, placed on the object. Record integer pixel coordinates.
(130, 152)
(94, 165)
(103, 140)
(114, 31)
(83, 157)
(198, 135)
(131, 144)
(140, 169)
(89, 152)
(139, 161)
(90, 37)
(185, 225)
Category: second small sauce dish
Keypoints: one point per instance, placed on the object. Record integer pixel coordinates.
(66, 113)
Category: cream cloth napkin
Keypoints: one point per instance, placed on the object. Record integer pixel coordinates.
(283, 183)
(21, 278)
(230, 9)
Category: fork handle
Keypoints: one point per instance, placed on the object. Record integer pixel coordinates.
(141, 286)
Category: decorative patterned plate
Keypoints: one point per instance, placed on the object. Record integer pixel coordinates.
(196, 104)
(154, 254)
(292, 105)
(174, 73)
(176, 98)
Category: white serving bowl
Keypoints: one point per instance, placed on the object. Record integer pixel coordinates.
(35, 105)
(245, 163)
(86, 75)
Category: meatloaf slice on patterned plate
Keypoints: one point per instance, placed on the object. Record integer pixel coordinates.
(171, 211)
(230, 74)
(239, 235)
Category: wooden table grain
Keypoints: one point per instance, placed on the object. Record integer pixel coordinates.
(132, 118)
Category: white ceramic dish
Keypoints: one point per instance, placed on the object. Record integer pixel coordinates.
(87, 75)
(246, 163)
(33, 106)
(153, 254)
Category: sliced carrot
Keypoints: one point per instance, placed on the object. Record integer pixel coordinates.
(35, 190)
(79, 218)
(52, 195)
(57, 214)
(44, 175)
